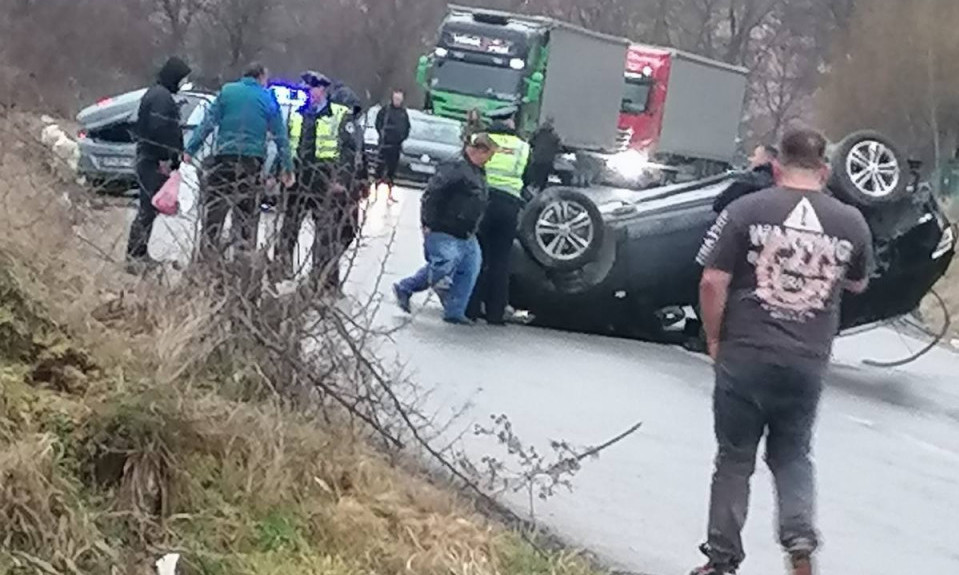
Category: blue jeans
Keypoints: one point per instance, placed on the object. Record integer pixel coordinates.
(452, 264)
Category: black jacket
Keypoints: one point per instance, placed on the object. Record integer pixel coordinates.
(544, 145)
(393, 125)
(158, 130)
(759, 178)
(455, 199)
(352, 167)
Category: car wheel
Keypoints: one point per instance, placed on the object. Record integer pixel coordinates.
(562, 229)
(868, 170)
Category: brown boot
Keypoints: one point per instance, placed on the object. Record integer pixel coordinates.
(801, 565)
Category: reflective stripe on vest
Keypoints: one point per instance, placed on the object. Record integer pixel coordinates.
(326, 131)
(505, 169)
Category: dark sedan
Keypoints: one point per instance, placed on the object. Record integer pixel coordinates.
(432, 140)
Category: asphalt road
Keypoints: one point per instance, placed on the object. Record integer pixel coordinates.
(887, 446)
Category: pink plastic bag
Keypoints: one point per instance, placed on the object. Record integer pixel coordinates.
(167, 201)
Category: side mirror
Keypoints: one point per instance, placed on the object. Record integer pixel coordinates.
(534, 87)
(422, 70)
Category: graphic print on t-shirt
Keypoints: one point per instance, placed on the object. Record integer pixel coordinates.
(798, 266)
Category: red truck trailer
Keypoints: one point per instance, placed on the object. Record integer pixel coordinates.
(682, 109)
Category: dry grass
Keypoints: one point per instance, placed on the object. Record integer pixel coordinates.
(112, 453)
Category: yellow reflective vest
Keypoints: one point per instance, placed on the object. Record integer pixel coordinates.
(504, 171)
(327, 128)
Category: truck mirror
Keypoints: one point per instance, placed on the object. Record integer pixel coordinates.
(422, 67)
(534, 87)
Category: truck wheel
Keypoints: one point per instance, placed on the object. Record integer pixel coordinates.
(562, 229)
(868, 170)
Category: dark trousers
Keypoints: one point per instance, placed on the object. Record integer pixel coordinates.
(496, 234)
(537, 174)
(752, 399)
(389, 161)
(235, 185)
(335, 213)
(150, 180)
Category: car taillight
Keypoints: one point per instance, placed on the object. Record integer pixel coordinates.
(81, 134)
(104, 101)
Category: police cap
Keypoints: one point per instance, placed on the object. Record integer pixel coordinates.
(315, 80)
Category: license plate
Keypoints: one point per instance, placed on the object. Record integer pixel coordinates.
(422, 168)
(117, 162)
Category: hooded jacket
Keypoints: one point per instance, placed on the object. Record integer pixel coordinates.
(158, 130)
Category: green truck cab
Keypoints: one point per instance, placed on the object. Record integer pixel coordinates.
(485, 61)
(541, 67)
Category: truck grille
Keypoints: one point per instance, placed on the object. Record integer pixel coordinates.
(623, 138)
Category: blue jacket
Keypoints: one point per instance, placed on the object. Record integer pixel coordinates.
(245, 114)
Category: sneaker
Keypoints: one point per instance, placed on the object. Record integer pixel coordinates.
(713, 569)
(459, 321)
(402, 299)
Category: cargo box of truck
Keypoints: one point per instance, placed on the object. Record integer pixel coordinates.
(682, 106)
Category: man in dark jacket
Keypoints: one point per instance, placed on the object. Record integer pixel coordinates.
(759, 177)
(393, 127)
(159, 145)
(545, 144)
(452, 207)
(504, 178)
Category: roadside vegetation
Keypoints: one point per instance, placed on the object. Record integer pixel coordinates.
(128, 432)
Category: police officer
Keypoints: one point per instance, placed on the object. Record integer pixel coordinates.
(313, 138)
(351, 185)
(504, 178)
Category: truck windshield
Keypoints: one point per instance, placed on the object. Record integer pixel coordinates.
(636, 96)
(476, 79)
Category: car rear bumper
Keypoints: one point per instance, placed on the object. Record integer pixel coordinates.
(107, 162)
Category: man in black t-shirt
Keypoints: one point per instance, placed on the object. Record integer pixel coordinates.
(776, 264)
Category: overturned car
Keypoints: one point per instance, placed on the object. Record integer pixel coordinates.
(623, 262)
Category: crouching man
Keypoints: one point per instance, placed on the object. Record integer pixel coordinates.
(452, 207)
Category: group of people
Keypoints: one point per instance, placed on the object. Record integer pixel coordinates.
(776, 261)
(320, 162)
(469, 214)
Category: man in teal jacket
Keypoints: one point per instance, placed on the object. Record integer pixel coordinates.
(245, 115)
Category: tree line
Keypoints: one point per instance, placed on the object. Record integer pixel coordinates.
(838, 63)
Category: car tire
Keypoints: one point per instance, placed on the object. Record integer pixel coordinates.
(868, 170)
(562, 229)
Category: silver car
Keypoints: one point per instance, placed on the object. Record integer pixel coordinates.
(107, 141)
